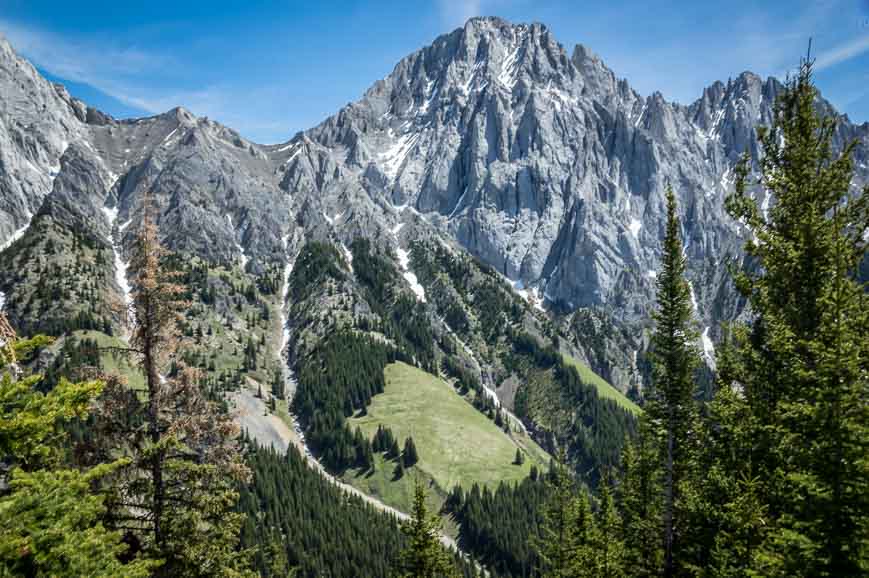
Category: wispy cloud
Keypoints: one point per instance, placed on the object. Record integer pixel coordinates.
(138, 78)
(102, 66)
(843, 52)
(456, 12)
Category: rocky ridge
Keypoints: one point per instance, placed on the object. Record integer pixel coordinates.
(495, 139)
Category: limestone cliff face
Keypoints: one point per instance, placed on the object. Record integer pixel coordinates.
(540, 162)
(546, 165)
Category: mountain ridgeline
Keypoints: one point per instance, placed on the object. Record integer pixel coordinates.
(491, 216)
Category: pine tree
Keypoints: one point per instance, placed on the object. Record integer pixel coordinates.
(394, 451)
(398, 471)
(639, 499)
(424, 557)
(520, 458)
(729, 517)
(377, 443)
(51, 519)
(805, 360)
(567, 534)
(672, 406)
(608, 547)
(409, 455)
(176, 497)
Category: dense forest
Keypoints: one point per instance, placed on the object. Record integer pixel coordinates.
(598, 428)
(501, 527)
(770, 478)
(297, 519)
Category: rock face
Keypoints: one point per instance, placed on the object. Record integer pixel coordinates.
(546, 165)
(540, 162)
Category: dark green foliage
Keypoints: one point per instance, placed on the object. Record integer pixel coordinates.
(403, 318)
(409, 455)
(499, 528)
(599, 426)
(299, 519)
(466, 379)
(802, 364)
(315, 263)
(57, 280)
(568, 532)
(383, 439)
(340, 377)
(394, 452)
(670, 406)
(423, 556)
(639, 499)
(398, 471)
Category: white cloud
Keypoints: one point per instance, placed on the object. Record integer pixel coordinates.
(139, 78)
(457, 12)
(843, 52)
(103, 66)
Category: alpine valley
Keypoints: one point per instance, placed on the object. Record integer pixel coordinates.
(454, 275)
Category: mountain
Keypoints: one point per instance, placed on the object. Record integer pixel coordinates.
(547, 166)
(520, 161)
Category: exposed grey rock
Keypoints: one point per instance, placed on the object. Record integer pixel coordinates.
(543, 164)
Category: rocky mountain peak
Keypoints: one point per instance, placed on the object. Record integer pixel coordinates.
(545, 165)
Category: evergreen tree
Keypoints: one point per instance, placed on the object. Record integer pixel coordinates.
(609, 548)
(804, 365)
(640, 503)
(424, 557)
(176, 496)
(728, 517)
(394, 452)
(398, 471)
(49, 515)
(672, 408)
(520, 458)
(409, 455)
(567, 534)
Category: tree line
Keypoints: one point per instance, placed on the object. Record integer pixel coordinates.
(770, 477)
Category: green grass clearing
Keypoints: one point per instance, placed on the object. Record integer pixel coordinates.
(456, 443)
(115, 362)
(604, 388)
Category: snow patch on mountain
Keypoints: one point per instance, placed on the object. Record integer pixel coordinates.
(242, 255)
(285, 291)
(111, 215)
(16, 234)
(393, 158)
(348, 256)
(708, 348)
(404, 263)
(532, 295)
(634, 227)
(509, 74)
(693, 298)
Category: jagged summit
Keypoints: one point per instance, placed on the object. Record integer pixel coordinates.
(541, 162)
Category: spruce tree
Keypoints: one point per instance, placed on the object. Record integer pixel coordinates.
(50, 515)
(639, 498)
(608, 546)
(424, 557)
(567, 533)
(805, 361)
(176, 497)
(394, 452)
(409, 455)
(672, 408)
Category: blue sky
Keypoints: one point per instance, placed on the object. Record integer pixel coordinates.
(269, 69)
